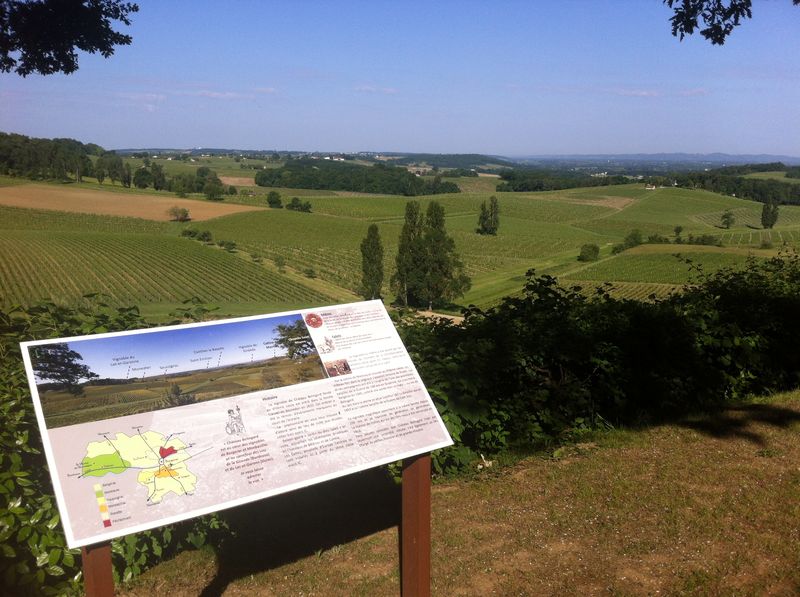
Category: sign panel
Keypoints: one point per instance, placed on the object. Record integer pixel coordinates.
(148, 427)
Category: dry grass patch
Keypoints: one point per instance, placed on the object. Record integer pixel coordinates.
(238, 181)
(710, 506)
(148, 207)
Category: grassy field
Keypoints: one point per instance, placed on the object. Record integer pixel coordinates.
(321, 249)
(780, 175)
(704, 506)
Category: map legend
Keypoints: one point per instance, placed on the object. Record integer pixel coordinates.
(101, 503)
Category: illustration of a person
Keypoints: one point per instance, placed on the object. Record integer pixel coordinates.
(235, 425)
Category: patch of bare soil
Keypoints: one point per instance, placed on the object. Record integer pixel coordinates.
(148, 207)
(238, 181)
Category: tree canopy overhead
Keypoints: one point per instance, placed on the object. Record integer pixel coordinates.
(42, 36)
(715, 19)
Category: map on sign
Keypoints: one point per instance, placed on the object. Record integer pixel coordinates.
(149, 427)
(160, 463)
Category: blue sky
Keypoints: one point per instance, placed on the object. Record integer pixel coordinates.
(111, 356)
(511, 78)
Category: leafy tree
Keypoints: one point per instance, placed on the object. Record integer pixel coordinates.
(179, 214)
(719, 17)
(589, 252)
(142, 178)
(295, 339)
(232, 190)
(159, 179)
(489, 218)
(372, 263)
(406, 281)
(58, 363)
(176, 397)
(126, 175)
(274, 200)
(678, 229)
(483, 219)
(494, 215)
(769, 214)
(442, 272)
(213, 189)
(728, 219)
(43, 36)
(633, 239)
(99, 171)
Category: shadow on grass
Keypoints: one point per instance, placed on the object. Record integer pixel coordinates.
(738, 422)
(287, 527)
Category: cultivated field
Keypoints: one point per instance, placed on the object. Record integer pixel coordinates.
(141, 260)
(150, 207)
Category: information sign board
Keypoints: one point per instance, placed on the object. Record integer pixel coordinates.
(149, 427)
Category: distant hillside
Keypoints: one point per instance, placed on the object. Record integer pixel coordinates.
(649, 163)
(450, 160)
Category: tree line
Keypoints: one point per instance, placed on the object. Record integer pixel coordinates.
(520, 180)
(378, 178)
(757, 189)
(41, 159)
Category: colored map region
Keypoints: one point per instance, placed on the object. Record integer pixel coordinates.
(160, 461)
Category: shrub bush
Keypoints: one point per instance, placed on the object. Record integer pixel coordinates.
(589, 252)
(525, 372)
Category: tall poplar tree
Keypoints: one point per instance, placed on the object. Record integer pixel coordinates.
(489, 218)
(411, 255)
(372, 263)
(769, 214)
(443, 275)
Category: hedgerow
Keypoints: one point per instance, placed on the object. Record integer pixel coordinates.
(555, 360)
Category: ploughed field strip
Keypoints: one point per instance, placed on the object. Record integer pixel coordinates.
(151, 207)
(134, 269)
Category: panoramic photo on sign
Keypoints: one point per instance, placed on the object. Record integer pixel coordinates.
(148, 427)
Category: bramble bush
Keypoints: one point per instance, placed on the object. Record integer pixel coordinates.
(535, 368)
(34, 558)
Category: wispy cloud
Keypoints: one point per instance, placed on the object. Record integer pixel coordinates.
(221, 95)
(698, 91)
(147, 101)
(151, 98)
(375, 89)
(636, 92)
(265, 90)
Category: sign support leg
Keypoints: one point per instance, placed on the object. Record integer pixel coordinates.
(98, 575)
(415, 528)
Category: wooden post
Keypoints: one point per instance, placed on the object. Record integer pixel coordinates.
(98, 575)
(415, 528)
